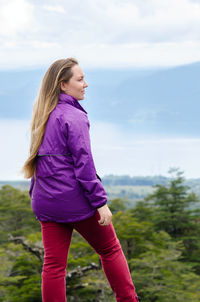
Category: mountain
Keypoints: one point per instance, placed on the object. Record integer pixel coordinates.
(124, 186)
(160, 101)
(18, 90)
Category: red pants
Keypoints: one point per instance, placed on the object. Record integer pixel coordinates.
(56, 239)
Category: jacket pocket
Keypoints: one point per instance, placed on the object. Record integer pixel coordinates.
(45, 166)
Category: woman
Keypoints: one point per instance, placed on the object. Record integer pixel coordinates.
(66, 192)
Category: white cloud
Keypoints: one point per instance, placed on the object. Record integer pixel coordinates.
(15, 15)
(100, 32)
(54, 8)
(40, 53)
(147, 21)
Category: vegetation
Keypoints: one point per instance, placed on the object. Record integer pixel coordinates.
(160, 237)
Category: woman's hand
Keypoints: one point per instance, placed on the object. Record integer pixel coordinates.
(105, 215)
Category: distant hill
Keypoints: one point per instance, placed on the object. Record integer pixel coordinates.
(159, 101)
(18, 90)
(124, 186)
(19, 184)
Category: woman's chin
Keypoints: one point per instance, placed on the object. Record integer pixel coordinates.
(81, 98)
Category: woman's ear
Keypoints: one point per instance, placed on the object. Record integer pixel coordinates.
(63, 86)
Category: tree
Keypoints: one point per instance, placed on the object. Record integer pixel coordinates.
(16, 216)
(160, 276)
(117, 205)
(173, 213)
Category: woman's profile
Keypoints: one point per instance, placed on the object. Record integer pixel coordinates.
(66, 192)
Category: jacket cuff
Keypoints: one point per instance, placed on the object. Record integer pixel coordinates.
(103, 204)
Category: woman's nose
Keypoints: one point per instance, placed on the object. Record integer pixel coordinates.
(85, 84)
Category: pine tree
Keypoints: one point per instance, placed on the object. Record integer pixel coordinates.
(174, 213)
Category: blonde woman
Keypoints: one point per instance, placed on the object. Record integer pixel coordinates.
(66, 192)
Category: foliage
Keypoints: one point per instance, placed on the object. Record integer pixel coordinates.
(159, 276)
(172, 213)
(160, 237)
(16, 214)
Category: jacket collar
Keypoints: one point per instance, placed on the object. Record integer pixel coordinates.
(66, 98)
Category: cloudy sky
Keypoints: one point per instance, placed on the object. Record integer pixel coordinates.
(100, 34)
(117, 33)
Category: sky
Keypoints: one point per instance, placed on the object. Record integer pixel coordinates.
(102, 34)
(99, 33)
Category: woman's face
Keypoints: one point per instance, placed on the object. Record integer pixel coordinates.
(76, 85)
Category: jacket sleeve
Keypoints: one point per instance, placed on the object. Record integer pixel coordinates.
(80, 148)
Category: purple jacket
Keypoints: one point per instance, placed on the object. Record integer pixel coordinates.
(66, 188)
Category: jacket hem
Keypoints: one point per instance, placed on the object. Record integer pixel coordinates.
(45, 218)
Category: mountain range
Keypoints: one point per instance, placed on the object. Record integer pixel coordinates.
(162, 101)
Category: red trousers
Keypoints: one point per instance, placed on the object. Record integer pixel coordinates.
(56, 240)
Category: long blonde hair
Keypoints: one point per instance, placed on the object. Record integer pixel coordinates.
(45, 103)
